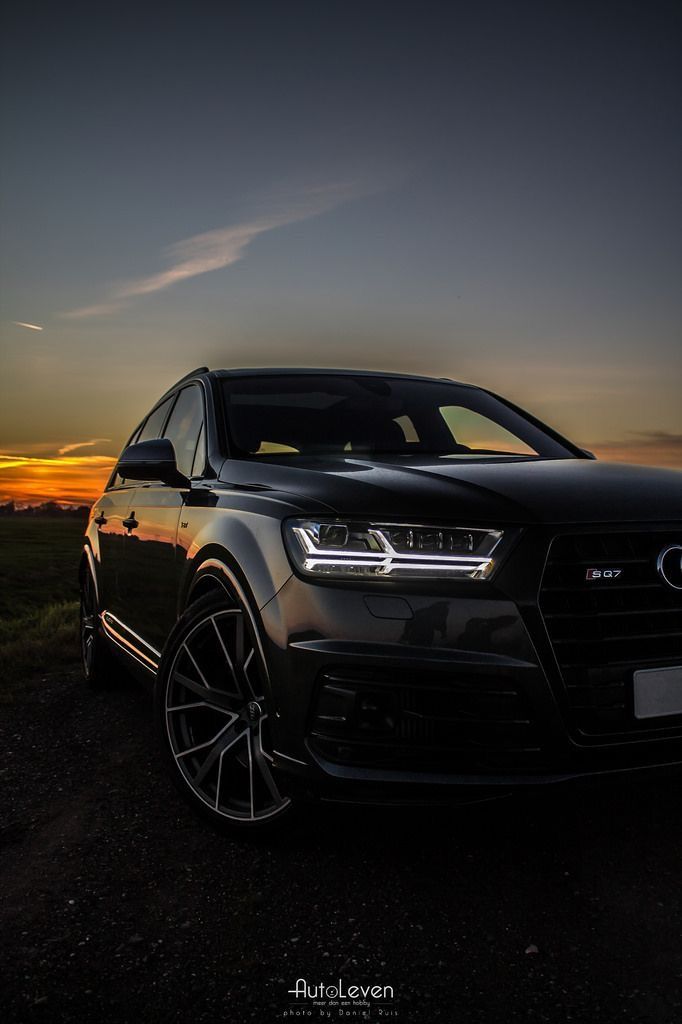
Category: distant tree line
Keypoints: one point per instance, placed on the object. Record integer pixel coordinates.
(47, 508)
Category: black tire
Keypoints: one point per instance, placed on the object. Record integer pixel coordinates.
(211, 714)
(97, 661)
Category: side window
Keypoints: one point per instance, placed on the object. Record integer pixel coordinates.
(184, 426)
(116, 480)
(149, 430)
(408, 428)
(199, 464)
(154, 422)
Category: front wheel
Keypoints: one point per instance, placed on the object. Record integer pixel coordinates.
(213, 718)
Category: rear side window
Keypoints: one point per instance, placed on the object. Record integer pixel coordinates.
(154, 422)
(184, 427)
(150, 429)
(199, 464)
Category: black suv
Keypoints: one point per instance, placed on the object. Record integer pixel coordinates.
(378, 587)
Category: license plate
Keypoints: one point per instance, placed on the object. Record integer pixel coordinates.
(658, 692)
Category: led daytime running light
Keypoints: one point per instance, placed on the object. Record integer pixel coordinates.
(370, 550)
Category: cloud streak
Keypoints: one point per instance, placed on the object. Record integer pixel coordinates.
(14, 461)
(31, 327)
(215, 250)
(81, 444)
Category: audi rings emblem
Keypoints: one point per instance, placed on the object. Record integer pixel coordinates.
(669, 566)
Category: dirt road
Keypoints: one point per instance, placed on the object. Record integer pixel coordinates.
(118, 906)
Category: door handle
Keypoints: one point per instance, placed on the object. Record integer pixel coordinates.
(131, 523)
(100, 519)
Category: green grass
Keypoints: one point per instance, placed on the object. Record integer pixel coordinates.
(39, 642)
(38, 595)
(38, 563)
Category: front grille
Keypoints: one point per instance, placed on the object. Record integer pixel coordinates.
(427, 721)
(603, 630)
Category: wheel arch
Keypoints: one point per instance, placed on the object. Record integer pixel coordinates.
(87, 561)
(209, 579)
(257, 572)
(216, 572)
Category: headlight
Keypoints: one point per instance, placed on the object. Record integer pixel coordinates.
(351, 550)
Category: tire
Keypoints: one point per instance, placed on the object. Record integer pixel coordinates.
(97, 661)
(212, 718)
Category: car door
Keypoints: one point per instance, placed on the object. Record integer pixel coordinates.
(155, 507)
(113, 519)
(110, 512)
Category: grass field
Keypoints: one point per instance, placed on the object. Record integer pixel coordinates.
(38, 594)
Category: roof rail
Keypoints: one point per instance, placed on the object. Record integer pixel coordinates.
(192, 373)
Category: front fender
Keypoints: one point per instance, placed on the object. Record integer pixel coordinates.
(248, 542)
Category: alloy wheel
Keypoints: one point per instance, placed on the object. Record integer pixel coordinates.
(88, 625)
(216, 720)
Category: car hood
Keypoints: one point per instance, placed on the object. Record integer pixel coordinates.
(528, 491)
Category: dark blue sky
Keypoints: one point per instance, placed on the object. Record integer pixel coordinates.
(489, 191)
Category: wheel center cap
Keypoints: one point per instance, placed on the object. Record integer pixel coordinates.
(253, 711)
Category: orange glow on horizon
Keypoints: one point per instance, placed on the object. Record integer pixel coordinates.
(72, 480)
(665, 454)
(79, 479)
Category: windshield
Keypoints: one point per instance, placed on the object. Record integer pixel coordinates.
(311, 414)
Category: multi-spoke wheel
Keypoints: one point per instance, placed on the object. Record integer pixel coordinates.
(96, 659)
(212, 712)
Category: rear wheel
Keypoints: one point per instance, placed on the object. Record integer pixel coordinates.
(96, 658)
(213, 717)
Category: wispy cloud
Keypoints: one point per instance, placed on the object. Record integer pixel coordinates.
(81, 444)
(214, 250)
(12, 461)
(31, 327)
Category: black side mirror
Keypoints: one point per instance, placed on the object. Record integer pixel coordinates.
(151, 460)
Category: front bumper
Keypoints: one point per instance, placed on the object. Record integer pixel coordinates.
(394, 693)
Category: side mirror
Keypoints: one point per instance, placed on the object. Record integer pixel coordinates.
(151, 460)
(588, 453)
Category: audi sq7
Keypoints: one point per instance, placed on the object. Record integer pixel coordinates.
(360, 586)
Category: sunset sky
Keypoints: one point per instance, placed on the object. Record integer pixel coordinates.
(489, 192)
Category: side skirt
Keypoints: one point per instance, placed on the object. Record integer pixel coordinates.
(129, 642)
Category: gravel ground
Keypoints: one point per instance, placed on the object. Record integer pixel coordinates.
(118, 906)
